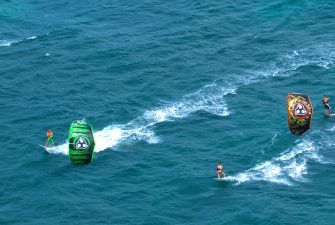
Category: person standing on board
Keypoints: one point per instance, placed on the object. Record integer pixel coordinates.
(219, 171)
(49, 138)
(325, 102)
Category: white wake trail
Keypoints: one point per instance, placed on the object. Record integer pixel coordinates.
(8, 43)
(290, 166)
(209, 98)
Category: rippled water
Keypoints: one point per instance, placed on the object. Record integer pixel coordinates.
(170, 88)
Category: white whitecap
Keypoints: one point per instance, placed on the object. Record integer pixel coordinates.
(31, 38)
(58, 149)
(290, 166)
(6, 43)
(211, 98)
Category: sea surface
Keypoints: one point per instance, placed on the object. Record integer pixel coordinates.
(170, 87)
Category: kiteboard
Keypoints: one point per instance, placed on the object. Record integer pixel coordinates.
(43, 146)
(221, 179)
(48, 146)
(299, 112)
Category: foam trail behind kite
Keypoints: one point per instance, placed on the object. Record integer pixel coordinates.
(8, 43)
(210, 98)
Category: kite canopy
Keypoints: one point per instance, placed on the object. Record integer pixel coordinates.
(81, 142)
(300, 113)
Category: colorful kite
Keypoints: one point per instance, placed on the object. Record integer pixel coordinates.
(81, 142)
(300, 113)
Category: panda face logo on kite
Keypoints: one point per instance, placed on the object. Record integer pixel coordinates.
(300, 110)
(81, 143)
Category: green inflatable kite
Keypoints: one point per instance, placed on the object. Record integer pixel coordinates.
(81, 142)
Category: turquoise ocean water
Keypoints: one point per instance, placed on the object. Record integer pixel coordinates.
(171, 87)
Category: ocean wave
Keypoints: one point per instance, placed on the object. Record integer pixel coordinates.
(209, 98)
(31, 38)
(8, 43)
(290, 166)
(332, 129)
(273, 139)
(284, 66)
(323, 56)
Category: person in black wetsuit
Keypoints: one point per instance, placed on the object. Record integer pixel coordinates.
(325, 102)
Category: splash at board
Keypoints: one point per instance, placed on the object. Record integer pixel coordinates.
(300, 113)
(222, 179)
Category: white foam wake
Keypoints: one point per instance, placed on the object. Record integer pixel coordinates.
(210, 98)
(323, 56)
(290, 166)
(8, 43)
(332, 129)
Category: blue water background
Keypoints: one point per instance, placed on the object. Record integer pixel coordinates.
(171, 87)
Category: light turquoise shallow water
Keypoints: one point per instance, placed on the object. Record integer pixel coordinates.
(171, 88)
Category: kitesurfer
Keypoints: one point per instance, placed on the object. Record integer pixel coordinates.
(219, 171)
(325, 102)
(49, 138)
